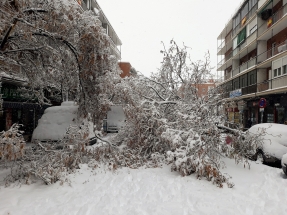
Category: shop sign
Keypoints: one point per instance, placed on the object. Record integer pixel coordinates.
(235, 93)
(10, 92)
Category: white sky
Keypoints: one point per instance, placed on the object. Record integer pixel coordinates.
(142, 25)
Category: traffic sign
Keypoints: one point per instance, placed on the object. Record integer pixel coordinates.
(262, 103)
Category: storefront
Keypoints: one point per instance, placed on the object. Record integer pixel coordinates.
(274, 111)
(16, 109)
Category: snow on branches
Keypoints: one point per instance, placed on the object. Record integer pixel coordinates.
(167, 117)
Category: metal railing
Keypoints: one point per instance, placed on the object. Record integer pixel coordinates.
(272, 51)
(249, 89)
(274, 83)
(225, 59)
(244, 66)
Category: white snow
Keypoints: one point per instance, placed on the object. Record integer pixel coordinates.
(259, 190)
(275, 140)
(55, 121)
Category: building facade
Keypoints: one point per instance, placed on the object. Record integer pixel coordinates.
(115, 40)
(252, 56)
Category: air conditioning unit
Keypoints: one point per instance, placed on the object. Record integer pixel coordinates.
(282, 48)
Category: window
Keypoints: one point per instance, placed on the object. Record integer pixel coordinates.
(275, 72)
(279, 71)
(252, 30)
(236, 20)
(284, 69)
(244, 11)
(252, 3)
(241, 36)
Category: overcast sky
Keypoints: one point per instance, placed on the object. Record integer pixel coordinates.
(142, 25)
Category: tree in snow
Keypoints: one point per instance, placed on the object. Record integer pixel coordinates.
(52, 44)
(168, 121)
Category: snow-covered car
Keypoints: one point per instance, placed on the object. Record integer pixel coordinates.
(55, 122)
(274, 142)
(272, 137)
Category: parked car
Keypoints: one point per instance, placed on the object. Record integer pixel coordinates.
(274, 143)
(273, 148)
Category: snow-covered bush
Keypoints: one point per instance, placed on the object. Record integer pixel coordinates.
(12, 144)
(50, 161)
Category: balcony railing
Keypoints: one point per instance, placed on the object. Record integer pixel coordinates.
(263, 86)
(226, 40)
(249, 89)
(273, 19)
(225, 59)
(274, 83)
(244, 66)
(278, 82)
(272, 51)
(115, 50)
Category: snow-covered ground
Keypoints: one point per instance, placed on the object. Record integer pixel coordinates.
(259, 190)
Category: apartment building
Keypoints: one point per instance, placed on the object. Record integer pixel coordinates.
(115, 40)
(252, 56)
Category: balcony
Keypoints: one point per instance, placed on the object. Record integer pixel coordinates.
(272, 84)
(250, 39)
(225, 42)
(115, 51)
(249, 89)
(272, 20)
(282, 47)
(248, 15)
(225, 59)
(278, 82)
(247, 65)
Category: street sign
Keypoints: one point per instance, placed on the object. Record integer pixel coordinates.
(262, 103)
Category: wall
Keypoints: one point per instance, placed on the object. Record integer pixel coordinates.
(261, 51)
(250, 26)
(203, 88)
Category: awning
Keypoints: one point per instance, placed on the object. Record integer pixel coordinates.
(24, 105)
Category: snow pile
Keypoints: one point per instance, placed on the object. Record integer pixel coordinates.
(275, 139)
(55, 121)
(259, 190)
